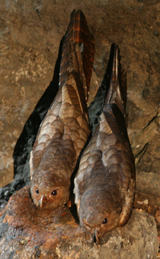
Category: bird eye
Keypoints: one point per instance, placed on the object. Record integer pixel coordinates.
(54, 193)
(37, 191)
(105, 221)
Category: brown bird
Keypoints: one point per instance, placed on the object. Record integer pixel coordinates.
(105, 182)
(65, 128)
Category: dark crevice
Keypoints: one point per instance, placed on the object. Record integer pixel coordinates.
(27, 138)
(96, 106)
(150, 121)
(28, 135)
(141, 153)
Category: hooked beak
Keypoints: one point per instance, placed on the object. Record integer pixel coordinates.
(41, 201)
(96, 236)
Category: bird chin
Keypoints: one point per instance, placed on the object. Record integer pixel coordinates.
(48, 206)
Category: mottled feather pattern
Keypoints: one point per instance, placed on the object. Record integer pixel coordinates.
(105, 182)
(65, 128)
(78, 31)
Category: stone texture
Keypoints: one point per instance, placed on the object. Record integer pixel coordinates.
(26, 232)
(150, 185)
(30, 34)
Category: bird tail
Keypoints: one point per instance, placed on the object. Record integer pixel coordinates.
(77, 52)
(117, 92)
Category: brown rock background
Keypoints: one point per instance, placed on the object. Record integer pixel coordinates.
(30, 34)
(30, 233)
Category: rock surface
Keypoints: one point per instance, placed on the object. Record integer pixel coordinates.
(30, 34)
(32, 233)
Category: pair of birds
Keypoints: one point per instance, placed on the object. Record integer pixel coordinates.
(105, 182)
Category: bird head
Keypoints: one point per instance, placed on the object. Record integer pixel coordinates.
(49, 190)
(99, 212)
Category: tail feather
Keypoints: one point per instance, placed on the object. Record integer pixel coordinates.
(78, 33)
(117, 93)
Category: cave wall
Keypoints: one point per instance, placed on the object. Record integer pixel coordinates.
(30, 34)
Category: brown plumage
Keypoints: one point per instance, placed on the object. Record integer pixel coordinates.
(105, 182)
(65, 128)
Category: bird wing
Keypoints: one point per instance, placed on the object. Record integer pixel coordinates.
(78, 32)
(108, 160)
(65, 127)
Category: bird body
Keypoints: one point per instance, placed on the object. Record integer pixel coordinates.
(65, 128)
(105, 182)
